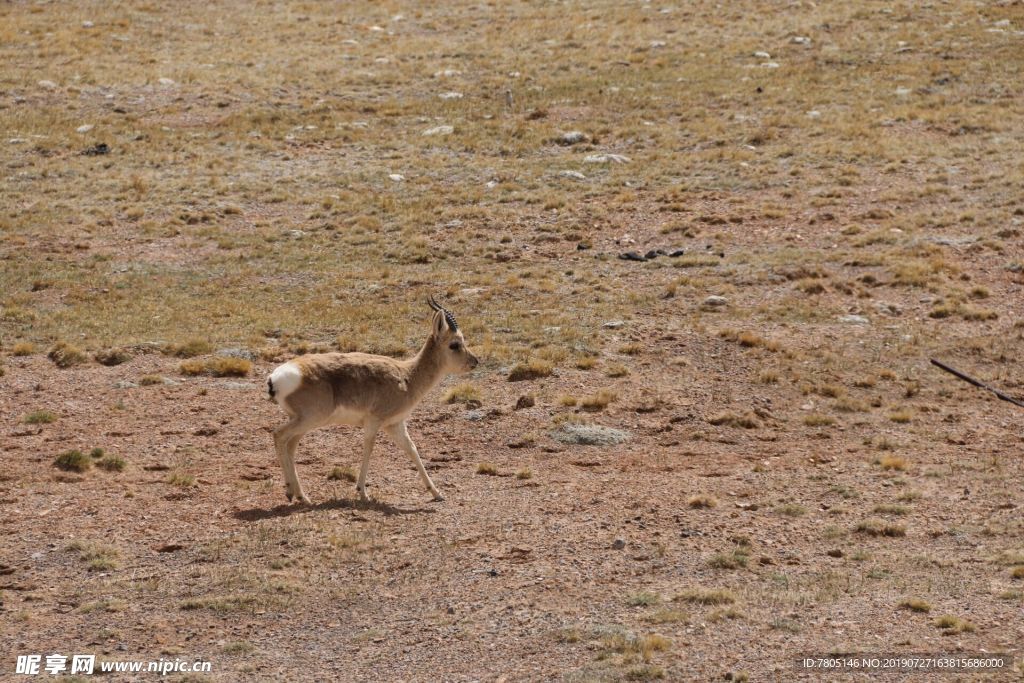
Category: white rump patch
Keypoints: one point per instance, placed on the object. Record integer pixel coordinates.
(286, 379)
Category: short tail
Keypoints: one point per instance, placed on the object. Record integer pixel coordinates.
(270, 388)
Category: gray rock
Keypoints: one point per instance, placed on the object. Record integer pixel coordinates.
(239, 386)
(606, 159)
(618, 544)
(715, 301)
(439, 130)
(474, 415)
(854, 319)
(589, 435)
(236, 353)
(575, 175)
(572, 138)
(125, 384)
(614, 324)
(888, 308)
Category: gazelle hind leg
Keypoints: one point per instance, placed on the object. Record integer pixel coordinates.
(400, 434)
(290, 464)
(286, 438)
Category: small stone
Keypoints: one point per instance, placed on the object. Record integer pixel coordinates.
(397, 177)
(762, 55)
(677, 253)
(447, 73)
(631, 256)
(125, 384)
(47, 85)
(84, 128)
(715, 301)
(854, 319)
(618, 544)
(814, 114)
(166, 81)
(450, 95)
(614, 324)
(575, 175)
(474, 415)
(769, 65)
(87, 24)
(297, 234)
(801, 40)
(526, 401)
(653, 253)
(835, 552)
(439, 130)
(572, 138)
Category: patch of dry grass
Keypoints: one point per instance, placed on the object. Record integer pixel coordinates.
(462, 393)
(216, 367)
(534, 368)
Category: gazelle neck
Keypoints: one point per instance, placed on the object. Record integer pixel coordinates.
(425, 369)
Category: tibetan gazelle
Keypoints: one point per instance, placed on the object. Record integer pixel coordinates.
(372, 392)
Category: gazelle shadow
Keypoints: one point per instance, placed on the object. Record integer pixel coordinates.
(388, 510)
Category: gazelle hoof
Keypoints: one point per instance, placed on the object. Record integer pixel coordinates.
(438, 497)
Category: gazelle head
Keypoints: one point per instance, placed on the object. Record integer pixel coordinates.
(456, 358)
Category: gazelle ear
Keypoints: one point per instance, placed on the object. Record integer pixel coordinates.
(440, 324)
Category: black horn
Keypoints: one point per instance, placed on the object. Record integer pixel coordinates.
(447, 314)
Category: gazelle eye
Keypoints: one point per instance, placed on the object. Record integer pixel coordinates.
(455, 346)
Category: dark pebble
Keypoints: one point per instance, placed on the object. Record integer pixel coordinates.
(677, 252)
(652, 254)
(631, 256)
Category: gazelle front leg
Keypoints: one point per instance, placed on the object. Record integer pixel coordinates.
(369, 436)
(400, 434)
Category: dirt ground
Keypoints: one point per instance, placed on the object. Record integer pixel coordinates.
(792, 477)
